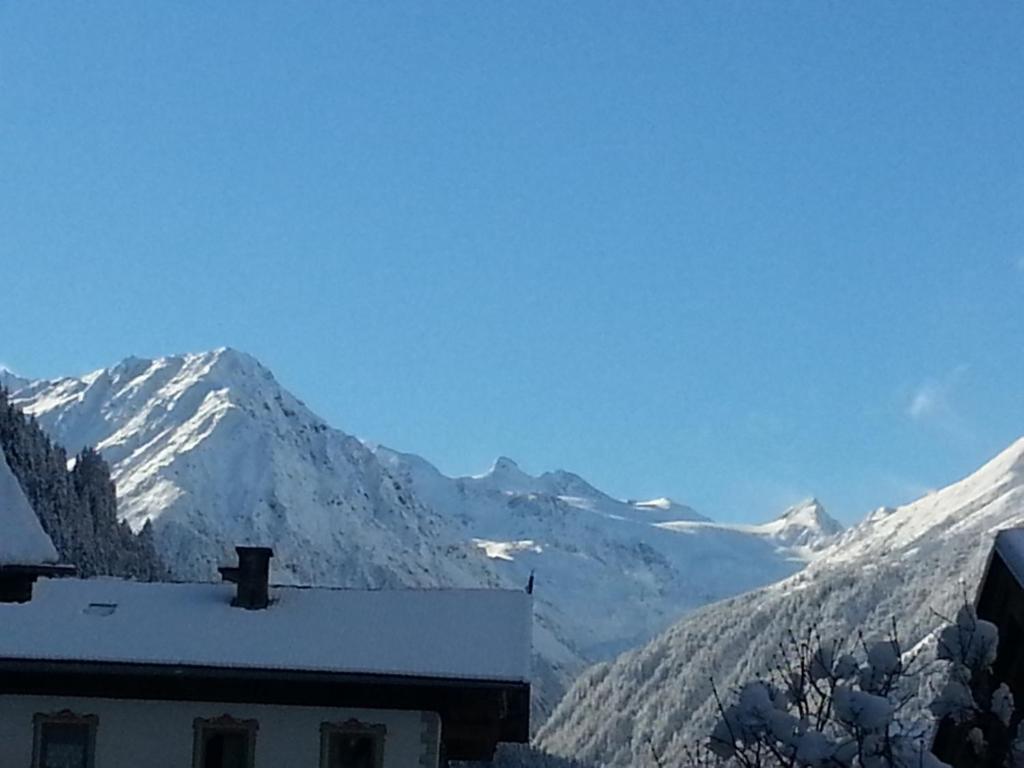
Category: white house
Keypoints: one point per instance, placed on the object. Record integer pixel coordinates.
(105, 673)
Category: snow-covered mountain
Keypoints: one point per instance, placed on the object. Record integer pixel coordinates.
(212, 450)
(806, 525)
(615, 571)
(903, 563)
(11, 381)
(215, 453)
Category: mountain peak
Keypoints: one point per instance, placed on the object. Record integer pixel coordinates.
(805, 524)
(11, 381)
(808, 508)
(129, 368)
(504, 464)
(506, 476)
(234, 356)
(223, 365)
(812, 512)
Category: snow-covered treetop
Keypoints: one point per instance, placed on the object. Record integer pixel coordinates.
(22, 539)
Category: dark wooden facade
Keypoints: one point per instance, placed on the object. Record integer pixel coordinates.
(16, 581)
(1000, 600)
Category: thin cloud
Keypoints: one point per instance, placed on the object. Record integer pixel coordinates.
(933, 402)
(931, 399)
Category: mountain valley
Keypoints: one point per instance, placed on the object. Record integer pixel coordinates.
(212, 452)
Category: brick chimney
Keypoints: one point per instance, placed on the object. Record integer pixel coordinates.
(252, 575)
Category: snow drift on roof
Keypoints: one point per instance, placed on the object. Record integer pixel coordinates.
(22, 539)
(456, 633)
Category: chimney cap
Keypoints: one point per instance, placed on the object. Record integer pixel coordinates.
(243, 549)
(16, 581)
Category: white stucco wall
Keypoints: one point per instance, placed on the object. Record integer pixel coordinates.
(158, 734)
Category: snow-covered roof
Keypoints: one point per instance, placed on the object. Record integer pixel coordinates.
(22, 539)
(1010, 546)
(458, 633)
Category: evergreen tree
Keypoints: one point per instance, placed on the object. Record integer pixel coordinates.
(77, 507)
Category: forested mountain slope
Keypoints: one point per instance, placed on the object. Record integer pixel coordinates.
(907, 563)
(77, 507)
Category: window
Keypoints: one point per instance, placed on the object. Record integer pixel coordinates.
(100, 609)
(64, 740)
(351, 744)
(224, 742)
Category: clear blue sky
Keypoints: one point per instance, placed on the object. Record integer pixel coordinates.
(735, 253)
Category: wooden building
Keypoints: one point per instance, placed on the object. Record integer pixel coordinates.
(1000, 600)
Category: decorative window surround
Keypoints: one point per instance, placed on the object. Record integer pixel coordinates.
(66, 718)
(353, 727)
(430, 740)
(204, 728)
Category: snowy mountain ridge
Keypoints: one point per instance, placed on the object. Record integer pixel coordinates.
(214, 452)
(905, 563)
(649, 561)
(803, 526)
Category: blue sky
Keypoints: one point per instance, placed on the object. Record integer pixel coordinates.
(735, 253)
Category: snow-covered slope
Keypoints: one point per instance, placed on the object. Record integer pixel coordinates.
(22, 539)
(615, 571)
(214, 452)
(901, 562)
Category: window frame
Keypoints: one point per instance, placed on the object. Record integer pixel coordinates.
(64, 717)
(201, 726)
(377, 731)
